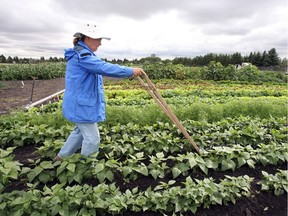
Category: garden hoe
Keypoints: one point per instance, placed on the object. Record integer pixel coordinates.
(151, 89)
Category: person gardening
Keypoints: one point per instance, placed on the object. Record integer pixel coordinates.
(84, 99)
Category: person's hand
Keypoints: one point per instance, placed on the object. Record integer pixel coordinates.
(138, 71)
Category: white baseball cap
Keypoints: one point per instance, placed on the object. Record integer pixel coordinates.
(90, 30)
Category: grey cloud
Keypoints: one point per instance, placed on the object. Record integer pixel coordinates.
(41, 30)
(137, 9)
(226, 29)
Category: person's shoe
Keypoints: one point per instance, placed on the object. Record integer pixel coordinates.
(57, 158)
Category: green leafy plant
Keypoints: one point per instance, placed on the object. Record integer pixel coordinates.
(42, 171)
(103, 169)
(133, 163)
(9, 169)
(74, 168)
(158, 167)
(277, 182)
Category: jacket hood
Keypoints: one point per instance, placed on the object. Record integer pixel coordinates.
(69, 53)
(80, 47)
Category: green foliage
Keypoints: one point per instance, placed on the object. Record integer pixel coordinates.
(248, 73)
(164, 71)
(103, 198)
(234, 124)
(42, 171)
(32, 71)
(9, 169)
(214, 71)
(277, 182)
(198, 110)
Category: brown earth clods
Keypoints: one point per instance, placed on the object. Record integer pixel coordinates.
(17, 94)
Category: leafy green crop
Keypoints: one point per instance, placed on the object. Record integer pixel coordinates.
(9, 169)
(277, 182)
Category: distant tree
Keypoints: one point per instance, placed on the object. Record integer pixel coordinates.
(9, 59)
(15, 59)
(135, 61)
(283, 62)
(246, 58)
(265, 59)
(224, 59)
(208, 58)
(125, 61)
(2, 59)
(257, 59)
(236, 58)
(167, 61)
(119, 61)
(273, 57)
(151, 59)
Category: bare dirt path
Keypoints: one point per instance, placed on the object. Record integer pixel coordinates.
(17, 94)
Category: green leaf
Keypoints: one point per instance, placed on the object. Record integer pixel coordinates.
(155, 173)
(183, 167)
(35, 172)
(5, 171)
(47, 165)
(226, 165)
(101, 177)
(135, 190)
(176, 172)
(63, 178)
(44, 177)
(160, 155)
(211, 164)
(13, 174)
(204, 168)
(192, 162)
(142, 169)
(99, 167)
(25, 170)
(71, 167)
(110, 175)
(56, 209)
(241, 161)
(78, 178)
(62, 167)
(2, 205)
(251, 163)
(10, 164)
(126, 171)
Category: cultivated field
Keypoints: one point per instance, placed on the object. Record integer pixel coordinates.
(145, 166)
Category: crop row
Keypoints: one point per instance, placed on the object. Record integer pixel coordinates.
(147, 112)
(153, 138)
(75, 169)
(156, 166)
(32, 71)
(104, 198)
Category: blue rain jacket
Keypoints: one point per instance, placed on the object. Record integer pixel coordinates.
(84, 100)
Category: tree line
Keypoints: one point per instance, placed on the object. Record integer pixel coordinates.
(265, 59)
(258, 59)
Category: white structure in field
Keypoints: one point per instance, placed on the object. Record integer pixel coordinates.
(244, 64)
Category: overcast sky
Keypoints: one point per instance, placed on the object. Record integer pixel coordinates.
(139, 28)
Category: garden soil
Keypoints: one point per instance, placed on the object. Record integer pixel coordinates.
(17, 94)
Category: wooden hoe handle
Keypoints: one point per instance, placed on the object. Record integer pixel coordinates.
(151, 89)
